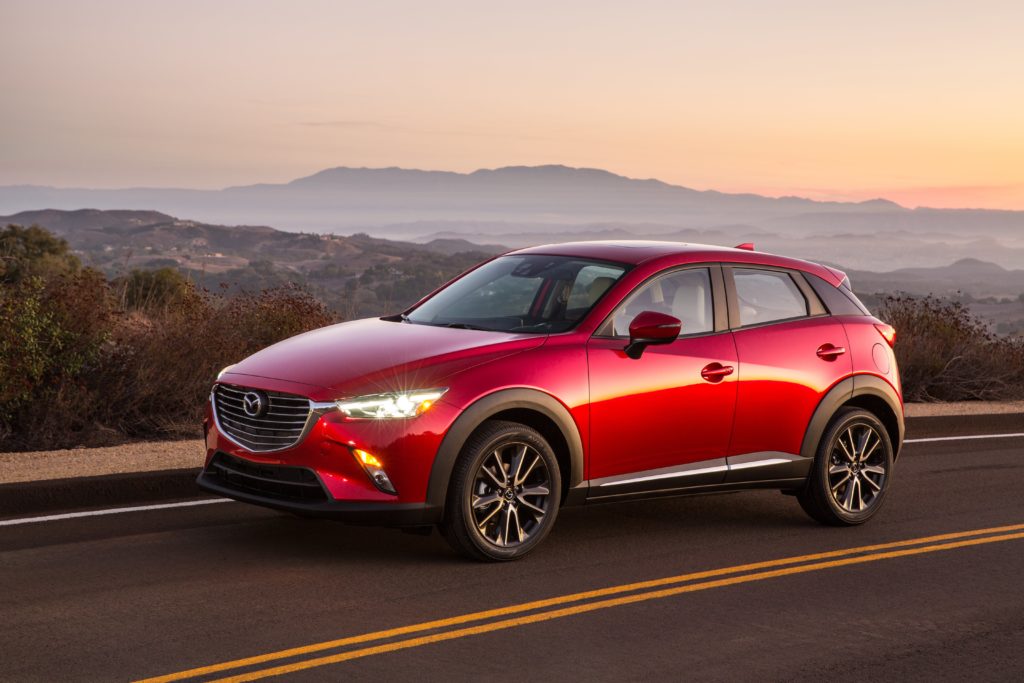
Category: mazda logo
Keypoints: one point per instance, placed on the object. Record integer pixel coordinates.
(254, 404)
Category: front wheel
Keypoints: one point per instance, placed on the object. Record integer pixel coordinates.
(852, 470)
(504, 493)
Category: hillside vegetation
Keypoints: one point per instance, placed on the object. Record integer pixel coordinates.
(355, 276)
(88, 357)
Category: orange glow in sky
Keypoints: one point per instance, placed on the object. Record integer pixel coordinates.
(918, 102)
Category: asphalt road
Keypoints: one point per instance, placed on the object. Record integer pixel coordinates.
(144, 594)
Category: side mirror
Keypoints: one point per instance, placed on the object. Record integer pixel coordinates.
(651, 327)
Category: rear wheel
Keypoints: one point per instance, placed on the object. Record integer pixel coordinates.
(504, 494)
(852, 470)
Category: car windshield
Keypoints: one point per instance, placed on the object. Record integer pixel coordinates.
(527, 293)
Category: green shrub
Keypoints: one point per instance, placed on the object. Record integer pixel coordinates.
(151, 290)
(947, 354)
(32, 251)
(53, 335)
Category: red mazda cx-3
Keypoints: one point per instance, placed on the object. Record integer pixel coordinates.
(570, 374)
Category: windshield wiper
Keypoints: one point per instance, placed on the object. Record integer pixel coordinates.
(466, 326)
(536, 327)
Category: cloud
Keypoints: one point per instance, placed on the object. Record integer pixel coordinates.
(349, 124)
(352, 124)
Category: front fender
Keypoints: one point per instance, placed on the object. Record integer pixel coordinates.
(488, 406)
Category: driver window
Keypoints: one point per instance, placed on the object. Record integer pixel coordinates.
(683, 294)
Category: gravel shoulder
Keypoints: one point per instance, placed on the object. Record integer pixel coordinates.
(146, 456)
(963, 408)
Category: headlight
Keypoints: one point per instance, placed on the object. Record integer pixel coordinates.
(393, 405)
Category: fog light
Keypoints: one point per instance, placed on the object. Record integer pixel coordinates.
(375, 469)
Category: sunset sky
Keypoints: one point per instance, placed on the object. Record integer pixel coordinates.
(919, 102)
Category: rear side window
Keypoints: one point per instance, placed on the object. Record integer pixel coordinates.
(766, 296)
(846, 289)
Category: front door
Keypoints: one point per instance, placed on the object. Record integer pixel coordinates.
(663, 420)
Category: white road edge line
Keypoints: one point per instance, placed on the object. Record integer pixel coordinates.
(112, 511)
(962, 438)
(190, 503)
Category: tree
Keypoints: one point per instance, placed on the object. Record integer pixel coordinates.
(152, 290)
(25, 252)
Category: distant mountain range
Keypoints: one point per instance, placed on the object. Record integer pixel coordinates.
(528, 205)
(980, 279)
(345, 198)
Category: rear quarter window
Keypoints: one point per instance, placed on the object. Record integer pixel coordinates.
(838, 300)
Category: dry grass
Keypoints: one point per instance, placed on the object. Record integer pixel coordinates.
(946, 354)
(80, 369)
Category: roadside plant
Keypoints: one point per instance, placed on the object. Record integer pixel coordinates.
(78, 367)
(947, 354)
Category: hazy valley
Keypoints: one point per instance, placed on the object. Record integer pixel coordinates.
(361, 275)
(516, 206)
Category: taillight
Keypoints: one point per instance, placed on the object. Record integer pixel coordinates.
(888, 333)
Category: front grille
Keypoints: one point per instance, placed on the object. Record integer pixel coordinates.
(272, 481)
(278, 425)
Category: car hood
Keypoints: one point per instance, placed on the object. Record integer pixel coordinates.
(374, 355)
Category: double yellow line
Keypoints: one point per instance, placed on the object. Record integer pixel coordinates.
(624, 595)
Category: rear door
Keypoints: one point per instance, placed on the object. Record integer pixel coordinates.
(663, 420)
(790, 352)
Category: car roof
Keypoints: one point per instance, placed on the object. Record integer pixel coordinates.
(635, 252)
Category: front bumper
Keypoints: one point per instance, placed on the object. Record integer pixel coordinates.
(320, 475)
(299, 490)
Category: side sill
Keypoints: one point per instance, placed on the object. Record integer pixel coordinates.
(781, 484)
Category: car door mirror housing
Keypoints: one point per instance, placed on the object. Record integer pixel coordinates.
(651, 327)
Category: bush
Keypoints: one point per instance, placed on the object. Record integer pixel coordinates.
(76, 369)
(32, 251)
(946, 354)
(152, 290)
(52, 339)
(161, 367)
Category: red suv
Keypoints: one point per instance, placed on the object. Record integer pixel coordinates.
(570, 374)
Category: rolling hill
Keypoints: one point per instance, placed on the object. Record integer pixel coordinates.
(367, 275)
(522, 205)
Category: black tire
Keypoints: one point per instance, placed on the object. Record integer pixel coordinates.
(477, 489)
(843, 490)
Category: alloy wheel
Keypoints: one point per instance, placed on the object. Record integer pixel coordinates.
(857, 468)
(510, 494)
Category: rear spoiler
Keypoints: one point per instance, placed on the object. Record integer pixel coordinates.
(839, 275)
